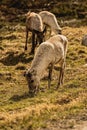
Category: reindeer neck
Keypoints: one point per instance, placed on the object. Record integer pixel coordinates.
(40, 66)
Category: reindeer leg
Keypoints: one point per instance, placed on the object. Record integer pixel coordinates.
(61, 75)
(26, 39)
(36, 40)
(50, 75)
(33, 43)
(59, 80)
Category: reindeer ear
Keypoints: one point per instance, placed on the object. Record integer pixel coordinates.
(27, 14)
(24, 74)
(29, 75)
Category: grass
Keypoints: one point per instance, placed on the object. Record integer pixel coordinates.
(48, 109)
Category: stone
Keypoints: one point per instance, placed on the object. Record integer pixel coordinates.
(84, 40)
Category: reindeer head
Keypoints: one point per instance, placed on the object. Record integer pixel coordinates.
(41, 35)
(33, 81)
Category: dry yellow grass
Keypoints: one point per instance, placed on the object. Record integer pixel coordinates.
(20, 112)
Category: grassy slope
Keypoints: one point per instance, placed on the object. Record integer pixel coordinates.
(49, 109)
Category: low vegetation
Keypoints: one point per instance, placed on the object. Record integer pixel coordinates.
(49, 109)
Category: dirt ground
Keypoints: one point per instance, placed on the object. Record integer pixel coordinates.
(82, 126)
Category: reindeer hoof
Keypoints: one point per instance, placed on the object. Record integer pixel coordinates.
(25, 48)
(57, 87)
(31, 53)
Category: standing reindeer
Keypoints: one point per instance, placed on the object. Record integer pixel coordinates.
(48, 54)
(49, 19)
(34, 24)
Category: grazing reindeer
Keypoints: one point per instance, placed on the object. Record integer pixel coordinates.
(50, 20)
(34, 24)
(47, 55)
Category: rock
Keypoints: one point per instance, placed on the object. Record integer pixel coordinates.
(85, 65)
(84, 40)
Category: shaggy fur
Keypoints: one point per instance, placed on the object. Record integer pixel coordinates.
(34, 24)
(50, 20)
(47, 55)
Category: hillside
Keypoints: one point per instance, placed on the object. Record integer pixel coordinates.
(50, 109)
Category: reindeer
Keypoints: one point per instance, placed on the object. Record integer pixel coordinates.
(49, 19)
(48, 54)
(34, 24)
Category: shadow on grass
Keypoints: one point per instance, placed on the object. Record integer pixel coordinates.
(12, 59)
(21, 97)
(1, 48)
